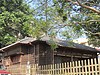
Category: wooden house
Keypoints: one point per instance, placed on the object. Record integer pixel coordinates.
(40, 52)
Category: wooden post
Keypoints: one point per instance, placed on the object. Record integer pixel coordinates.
(99, 63)
(71, 58)
(89, 67)
(28, 68)
(38, 53)
(82, 67)
(92, 67)
(68, 68)
(79, 67)
(34, 55)
(60, 68)
(76, 68)
(85, 67)
(73, 67)
(95, 63)
(65, 69)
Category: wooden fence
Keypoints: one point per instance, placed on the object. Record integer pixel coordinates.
(83, 67)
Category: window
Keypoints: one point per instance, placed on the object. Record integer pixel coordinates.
(15, 59)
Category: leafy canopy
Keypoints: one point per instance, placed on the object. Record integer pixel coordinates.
(17, 21)
(71, 18)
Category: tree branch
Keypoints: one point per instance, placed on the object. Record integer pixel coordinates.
(84, 6)
(88, 7)
(96, 34)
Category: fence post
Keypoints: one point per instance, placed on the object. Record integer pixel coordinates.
(95, 63)
(79, 64)
(89, 67)
(86, 66)
(28, 68)
(99, 64)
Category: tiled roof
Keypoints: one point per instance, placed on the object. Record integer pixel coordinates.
(63, 43)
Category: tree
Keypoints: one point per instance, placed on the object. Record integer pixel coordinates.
(16, 21)
(90, 22)
(66, 16)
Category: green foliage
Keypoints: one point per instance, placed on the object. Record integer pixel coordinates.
(15, 20)
(93, 29)
(80, 20)
(52, 17)
(68, 19)
(53, 44)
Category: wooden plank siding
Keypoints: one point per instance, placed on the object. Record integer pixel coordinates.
(13, 50)
(41, 53)
(45, 53)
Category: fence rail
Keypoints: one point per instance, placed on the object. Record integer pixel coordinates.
(83, 67)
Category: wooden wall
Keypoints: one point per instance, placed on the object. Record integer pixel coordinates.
(65, 54)
(41, 53)
(13, 50)
(28, 54)
(45, 54)
(9, 54)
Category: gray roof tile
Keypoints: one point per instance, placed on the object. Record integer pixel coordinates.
(63, 43)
